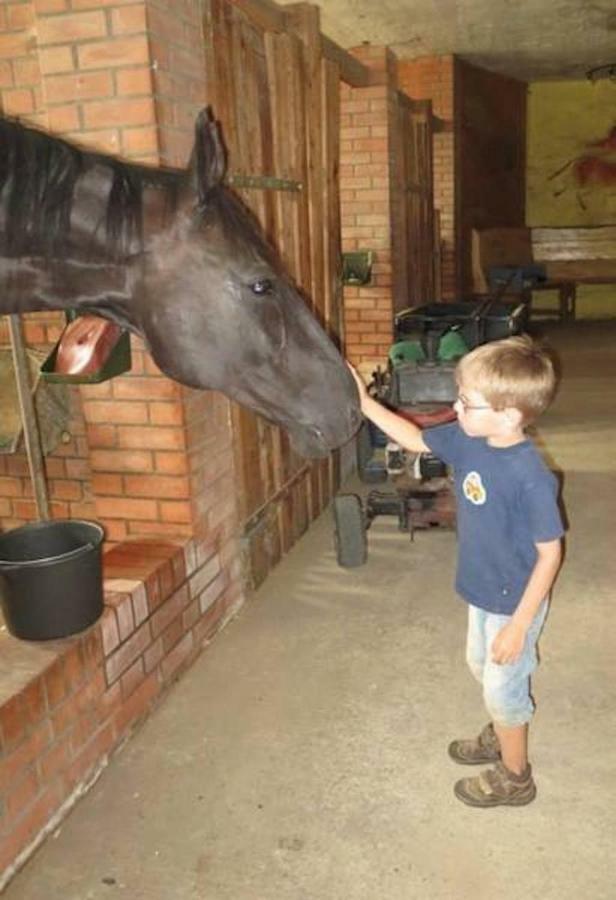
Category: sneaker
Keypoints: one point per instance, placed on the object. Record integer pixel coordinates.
(497, 787)
(482, 749)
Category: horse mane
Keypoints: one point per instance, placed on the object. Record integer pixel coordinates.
(39, 182)
(40, 178)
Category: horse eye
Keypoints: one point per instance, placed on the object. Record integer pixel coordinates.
(263, 286)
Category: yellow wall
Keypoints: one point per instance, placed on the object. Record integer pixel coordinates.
(564, 117)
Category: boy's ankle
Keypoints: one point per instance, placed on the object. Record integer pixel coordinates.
(518, 774)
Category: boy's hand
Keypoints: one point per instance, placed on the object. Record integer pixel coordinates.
(508, 644)
(361, 387)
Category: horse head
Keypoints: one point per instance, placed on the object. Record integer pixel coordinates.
(176, 258)
(217, 311)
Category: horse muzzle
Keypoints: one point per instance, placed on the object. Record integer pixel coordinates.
(312, 442)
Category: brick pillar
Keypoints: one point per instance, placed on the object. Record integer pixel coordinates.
(365, 206)
(433, 78)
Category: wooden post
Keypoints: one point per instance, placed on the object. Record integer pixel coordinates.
(28, 417)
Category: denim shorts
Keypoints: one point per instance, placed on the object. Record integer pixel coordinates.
(506, 688)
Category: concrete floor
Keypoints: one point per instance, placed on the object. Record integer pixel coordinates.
(303, 757)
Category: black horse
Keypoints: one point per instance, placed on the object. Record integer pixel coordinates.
(175, 257)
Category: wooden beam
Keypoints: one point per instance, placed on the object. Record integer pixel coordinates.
(352, 71)
(264, 13)
(272, 17)
(29, 420)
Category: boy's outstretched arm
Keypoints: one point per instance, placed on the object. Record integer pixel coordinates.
(399, 429)
(509, 642)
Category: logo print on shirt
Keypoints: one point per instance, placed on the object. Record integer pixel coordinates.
(473, 489)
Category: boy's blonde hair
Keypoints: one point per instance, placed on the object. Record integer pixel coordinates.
(515, 372)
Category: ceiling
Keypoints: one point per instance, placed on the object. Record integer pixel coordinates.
(527, 39)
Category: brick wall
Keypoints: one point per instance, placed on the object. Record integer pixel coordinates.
(178, 72)
(365, 206)
(434, 78)
(67, 467)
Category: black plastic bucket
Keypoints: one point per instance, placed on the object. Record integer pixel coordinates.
(51, 583)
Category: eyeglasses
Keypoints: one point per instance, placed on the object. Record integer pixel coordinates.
(466, 406)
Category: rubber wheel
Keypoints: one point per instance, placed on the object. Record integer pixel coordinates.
(350, 531)
(365, 452)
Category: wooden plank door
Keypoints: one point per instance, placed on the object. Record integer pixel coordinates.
(273, 93)
(415, 255)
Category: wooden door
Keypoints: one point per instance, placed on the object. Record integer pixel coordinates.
(278, 101)
(415, 250)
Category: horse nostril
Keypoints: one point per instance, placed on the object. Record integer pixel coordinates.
(356, 419)
(317, 433)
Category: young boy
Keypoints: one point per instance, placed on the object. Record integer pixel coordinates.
(509, 545)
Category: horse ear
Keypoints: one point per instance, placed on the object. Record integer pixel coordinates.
(208, 161)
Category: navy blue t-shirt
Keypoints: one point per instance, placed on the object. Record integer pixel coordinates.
(506, 501)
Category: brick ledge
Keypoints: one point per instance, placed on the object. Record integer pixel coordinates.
(66, 705)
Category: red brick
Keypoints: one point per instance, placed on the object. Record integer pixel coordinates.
(170, 462)
(22, 794)
(27, 72)
(15, 45)
(119, 112)
(169, 610)
(85, 86)
(154, 438)
(63, 119)
(140, 605)
(90, 756)
(116, 411)
(132, 678)
(81, 26)
(132, 82)
(74, 670)
(107, 484)
(127, 653)
(15, 762)
(92, 649)
(153, 655)
(66, 490)
(110, 633)
(138, 141)
(121, 461)
(137, 704)
(102, 436)
(55, 760)
(11, 487)
(178, 656)
(159, 529)
(116, 531)
(64, 716)
(172, 634)
(129, 19)
(33, 702)
(29, 825)
(156, 486)
(175, 512)
(56, 686)
(209, 624)
(99, 4)
(191, 615)
(116, 52)
(44, 7)
(126, 508)
(145, 388)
